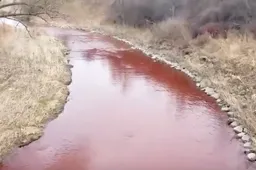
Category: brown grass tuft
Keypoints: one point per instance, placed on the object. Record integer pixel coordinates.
(230, 67)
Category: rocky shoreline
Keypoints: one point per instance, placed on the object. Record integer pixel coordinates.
(241, 133)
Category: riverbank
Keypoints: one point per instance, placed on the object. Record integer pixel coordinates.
(225, 68)
(33, 85)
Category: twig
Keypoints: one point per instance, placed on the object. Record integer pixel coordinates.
(20, 22)
(19, 14)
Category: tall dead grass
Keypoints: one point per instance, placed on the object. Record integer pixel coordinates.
(33, 85)
(229, 65)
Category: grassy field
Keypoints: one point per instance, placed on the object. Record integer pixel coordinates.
(33, 85)
(226, 65)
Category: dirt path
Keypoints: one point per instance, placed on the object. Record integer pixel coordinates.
(127, 112)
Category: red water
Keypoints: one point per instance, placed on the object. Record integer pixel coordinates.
(126, 112)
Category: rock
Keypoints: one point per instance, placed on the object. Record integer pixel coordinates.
(251, 157)
(209, 90)
(248, 145)
(190, 74)
(70, 66)
(225, 109)
(245, 130)
(238, 129)
(174, 64)
(234, 124)
(198, 84)
(203, 58)
(230, 114)
(240, 135)
(215, 95)
(230, 121)
(218, 100)
(246, 138)
(185, 70)
(247, 150)
(198, 79)
(178, 68)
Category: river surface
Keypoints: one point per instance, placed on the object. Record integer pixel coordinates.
(127, 112)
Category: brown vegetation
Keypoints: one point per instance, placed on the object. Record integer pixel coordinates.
(33, 74)
(33, 85)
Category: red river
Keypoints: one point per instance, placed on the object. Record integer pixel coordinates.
(127, 112)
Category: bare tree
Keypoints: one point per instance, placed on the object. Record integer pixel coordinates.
(24, 9)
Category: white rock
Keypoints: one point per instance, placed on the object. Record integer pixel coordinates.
(218, 100)
(234, 124)
(215, 95)
(198, 84)
(225, 109)
(251, 156)
(174, 64)
(209, 90)
(238, 129)
(189, 74)
(245, 130)
(240, 135)
(178, 67)
(246, 138)
(248, 145)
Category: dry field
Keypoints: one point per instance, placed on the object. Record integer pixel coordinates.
(33, 85)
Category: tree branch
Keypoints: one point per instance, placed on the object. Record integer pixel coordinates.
(19, 14)
(36, 8)
(13, 4)
(20, 22)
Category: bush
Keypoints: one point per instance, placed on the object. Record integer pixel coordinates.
(203, 16)
(135, 13)
(175, 30)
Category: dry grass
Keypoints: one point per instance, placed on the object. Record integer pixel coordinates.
(227, 65)
(231, 68)
(33, 85)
